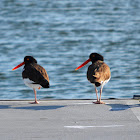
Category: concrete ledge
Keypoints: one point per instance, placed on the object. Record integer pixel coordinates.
(70, 119)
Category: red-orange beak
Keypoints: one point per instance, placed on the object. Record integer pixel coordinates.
(18, 66)
(83, 64)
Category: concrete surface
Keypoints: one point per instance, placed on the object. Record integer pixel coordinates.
(70, 120)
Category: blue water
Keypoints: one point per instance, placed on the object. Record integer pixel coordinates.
(61, 34)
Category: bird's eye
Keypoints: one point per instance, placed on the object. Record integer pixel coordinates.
(28, 59)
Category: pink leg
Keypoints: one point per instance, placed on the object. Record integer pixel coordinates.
(100, 102)
(36, 102)
(97, 102)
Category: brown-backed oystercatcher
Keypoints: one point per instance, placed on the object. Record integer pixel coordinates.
(98, 73)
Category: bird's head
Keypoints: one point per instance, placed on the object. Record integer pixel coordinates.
(27, 60)
(93, 57)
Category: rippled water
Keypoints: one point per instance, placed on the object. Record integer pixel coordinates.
(61, 34)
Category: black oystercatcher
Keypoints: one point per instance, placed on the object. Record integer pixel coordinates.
(34, 75)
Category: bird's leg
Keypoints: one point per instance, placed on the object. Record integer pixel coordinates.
(100, 102)
(96, 95)
(36, 102)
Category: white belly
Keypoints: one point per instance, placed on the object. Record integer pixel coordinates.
(106, 81)
(30, 84)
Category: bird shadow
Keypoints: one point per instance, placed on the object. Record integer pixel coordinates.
(5, 106)
(121, 107)
(52, 107)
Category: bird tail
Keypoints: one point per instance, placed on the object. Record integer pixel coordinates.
(45, 84)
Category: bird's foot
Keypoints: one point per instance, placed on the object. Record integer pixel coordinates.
(39, 88)
(99, 102)
(35, 102)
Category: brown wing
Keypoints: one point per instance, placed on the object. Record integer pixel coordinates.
(98, 72)
(37, 74)
(42, 71)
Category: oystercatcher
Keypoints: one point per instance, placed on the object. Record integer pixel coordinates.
(34, 75)
(98, 73)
